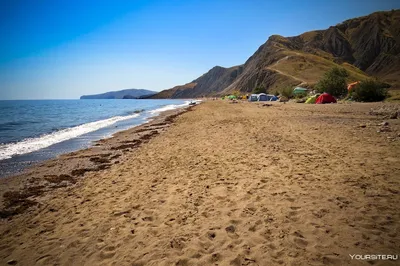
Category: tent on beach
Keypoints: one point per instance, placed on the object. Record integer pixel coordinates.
(272, 98)
(232, 97)
(267, 97)
(325, 98)
(312, 99)
(262, 97)
(299, 90)
(253, 98)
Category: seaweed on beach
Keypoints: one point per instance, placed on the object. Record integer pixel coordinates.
(159, 124)
(81, 171)
(149, 135)
(152, 127)
(57, 179)
(141, 130)
(126, 146)
(171, 118)
(102, 167)
(135, 141)
(115, 156)
(104, 155)
(16, 202)
(99, 160)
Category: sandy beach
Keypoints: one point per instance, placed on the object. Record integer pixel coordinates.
(220, 184)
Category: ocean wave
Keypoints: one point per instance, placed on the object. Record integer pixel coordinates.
(33, 144)
(172, 107)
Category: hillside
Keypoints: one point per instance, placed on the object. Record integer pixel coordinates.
(367, 46)
(129, 93)
(211, 83)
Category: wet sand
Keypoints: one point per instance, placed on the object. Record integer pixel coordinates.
(224, 184)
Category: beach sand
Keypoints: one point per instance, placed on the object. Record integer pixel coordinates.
(224, 184)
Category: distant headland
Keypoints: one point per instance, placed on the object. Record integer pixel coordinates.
(122, 94)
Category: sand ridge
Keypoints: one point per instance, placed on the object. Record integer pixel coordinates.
(229, 184)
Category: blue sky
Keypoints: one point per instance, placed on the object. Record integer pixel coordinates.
(53, 49)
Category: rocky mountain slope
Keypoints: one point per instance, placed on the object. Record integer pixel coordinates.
(211, 83)
(366, 46)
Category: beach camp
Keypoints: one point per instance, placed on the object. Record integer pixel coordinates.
(200, 133)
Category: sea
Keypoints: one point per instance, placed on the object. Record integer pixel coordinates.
(32, 131)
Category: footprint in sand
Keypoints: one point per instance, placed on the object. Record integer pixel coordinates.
(147, 219)
(178, 243)
(211, 235)
(215, 257)
(290, 199)
(256, 226)
(44, 260)
(299, 240)
(292, 216)
(267, 234)
(107, 252)
(320, 213)
(332, 260)
(231, 230)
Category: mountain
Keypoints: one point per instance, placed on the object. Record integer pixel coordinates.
(211, 83)
(367, 46)
(144, 96)
(133, 93)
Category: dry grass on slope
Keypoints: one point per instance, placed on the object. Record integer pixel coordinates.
(310, 68)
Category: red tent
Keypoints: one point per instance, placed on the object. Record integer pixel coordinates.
(325, 98)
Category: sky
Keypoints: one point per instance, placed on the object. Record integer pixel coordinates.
(53, 49)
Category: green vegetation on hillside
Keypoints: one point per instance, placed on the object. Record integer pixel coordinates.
(333, 82)
(286, 92)
(258, 90)
(370, 90)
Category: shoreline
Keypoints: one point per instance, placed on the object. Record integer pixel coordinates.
(43, 145)
(66, 169)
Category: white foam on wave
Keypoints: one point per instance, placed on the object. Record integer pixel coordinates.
(34, 144)
(172, 107)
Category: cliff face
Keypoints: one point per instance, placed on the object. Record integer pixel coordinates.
(366, 42)
(365, 46)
